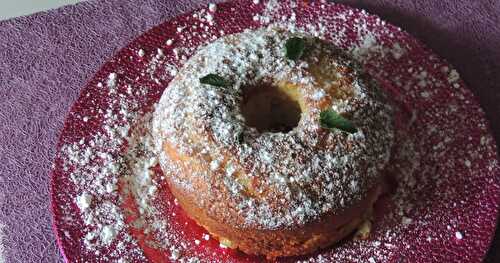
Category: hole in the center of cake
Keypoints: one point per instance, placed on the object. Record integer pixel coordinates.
(271, 109)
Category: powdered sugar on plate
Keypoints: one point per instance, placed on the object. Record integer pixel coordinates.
(111, 204)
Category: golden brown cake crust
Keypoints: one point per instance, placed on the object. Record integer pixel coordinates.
(254, 187)
(317, 234)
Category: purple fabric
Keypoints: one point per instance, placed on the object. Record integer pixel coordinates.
(47, 57)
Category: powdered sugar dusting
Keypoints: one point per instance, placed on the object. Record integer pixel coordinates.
(94, 171)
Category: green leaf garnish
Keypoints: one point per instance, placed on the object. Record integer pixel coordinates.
(295, 47)
(215, 80)
(329, 119)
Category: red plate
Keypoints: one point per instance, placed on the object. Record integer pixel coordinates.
(445, 164)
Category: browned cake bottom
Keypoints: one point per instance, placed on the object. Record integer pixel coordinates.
(283, 242)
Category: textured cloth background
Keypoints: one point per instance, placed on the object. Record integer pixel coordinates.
(47, 57)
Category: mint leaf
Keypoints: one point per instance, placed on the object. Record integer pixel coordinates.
(215, 80)
(295, 47)
(329, 119)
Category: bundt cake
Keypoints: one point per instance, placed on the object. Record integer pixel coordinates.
(275, 142)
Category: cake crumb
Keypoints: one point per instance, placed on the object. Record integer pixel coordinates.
(363, 230)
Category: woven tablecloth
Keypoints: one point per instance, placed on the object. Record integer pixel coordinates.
(47, 57)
